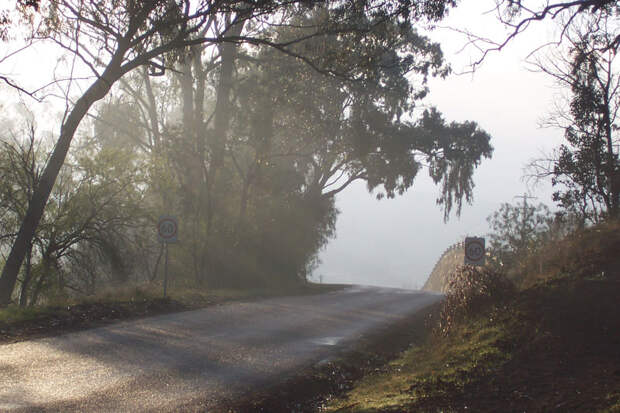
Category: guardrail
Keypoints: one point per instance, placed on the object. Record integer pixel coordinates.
(451, 248)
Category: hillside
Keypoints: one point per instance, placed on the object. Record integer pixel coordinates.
(551, 344)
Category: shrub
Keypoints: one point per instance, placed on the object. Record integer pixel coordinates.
(471, 291)
(584, 253)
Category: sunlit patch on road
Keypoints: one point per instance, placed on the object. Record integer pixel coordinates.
(327, 341)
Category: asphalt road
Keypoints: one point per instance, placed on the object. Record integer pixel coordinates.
(193, 358)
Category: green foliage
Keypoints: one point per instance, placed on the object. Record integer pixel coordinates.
(301, 131)
(544, 246)
(354, 129)
(508, 354)
(583, 253)
(92, 219)
(453, 150)
(432, 370)
(586, 169)
(504, 344)
(251, 165)
(524, 239)
(14, 314)
(518, 230)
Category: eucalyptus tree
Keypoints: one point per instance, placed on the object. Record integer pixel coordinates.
(585, 169)
(302, 126)
(111, 38)
(97, 199)
(201, 72)
(360, 125)
(303, 137)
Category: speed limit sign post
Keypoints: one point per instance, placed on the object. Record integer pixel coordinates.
(474, 251)
(167, 233)
(168, 229)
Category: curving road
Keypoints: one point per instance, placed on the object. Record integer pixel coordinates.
(196, 358)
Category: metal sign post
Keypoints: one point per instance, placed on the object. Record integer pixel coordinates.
(474, 251)
(167, 232)
(165, 269)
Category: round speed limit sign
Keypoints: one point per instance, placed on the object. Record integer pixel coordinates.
(474, 251)
(167, 229)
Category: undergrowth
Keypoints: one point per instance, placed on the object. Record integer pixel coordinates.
(589, 252)
(471, 292)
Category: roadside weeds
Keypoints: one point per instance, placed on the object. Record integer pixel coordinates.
(554, 348)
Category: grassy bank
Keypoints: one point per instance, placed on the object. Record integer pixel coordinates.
(553, 345)
(112, 305)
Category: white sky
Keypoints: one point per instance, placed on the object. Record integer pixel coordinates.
(397, 242)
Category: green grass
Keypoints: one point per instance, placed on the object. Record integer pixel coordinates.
(14, 314)
(428, 369)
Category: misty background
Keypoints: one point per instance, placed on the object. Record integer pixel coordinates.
(396, 242)
(258, 167)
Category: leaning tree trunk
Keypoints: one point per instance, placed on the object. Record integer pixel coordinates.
(42, 192)
(23, 294)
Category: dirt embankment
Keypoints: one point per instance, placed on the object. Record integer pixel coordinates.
(553, 345)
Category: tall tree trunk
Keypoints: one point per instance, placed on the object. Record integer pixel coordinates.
(243, 204)
(152, 111)
(221, 123)
(200, 76)
(41, 194)
(191, 168)
(612, 167)
(263, 136)
(228, 52)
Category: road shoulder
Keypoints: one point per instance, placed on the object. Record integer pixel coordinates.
(311, 388)
(21, 324)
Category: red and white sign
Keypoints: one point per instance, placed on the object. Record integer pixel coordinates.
(474, 251)
(168, 229)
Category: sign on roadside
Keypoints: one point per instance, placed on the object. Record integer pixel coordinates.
(474, 251)
(168, 229)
